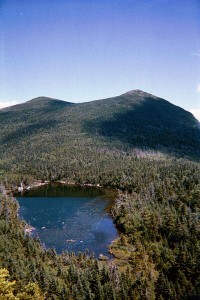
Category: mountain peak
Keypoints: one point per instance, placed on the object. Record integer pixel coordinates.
(138, 93)
(43, 99)
(134, 119)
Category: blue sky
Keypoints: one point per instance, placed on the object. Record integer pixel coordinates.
(81, 50)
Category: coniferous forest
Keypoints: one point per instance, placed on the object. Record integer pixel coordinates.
(119, 144)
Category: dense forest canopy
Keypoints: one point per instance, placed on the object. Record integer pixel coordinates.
(137, 143)
(46, 135)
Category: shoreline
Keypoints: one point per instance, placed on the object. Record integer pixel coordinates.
(39, 183)
(28, 229)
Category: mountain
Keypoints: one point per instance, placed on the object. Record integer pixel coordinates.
(135, 142)
(46, 133)
(141, 119)
(38, 103)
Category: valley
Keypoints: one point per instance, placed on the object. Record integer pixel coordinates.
(143, 147)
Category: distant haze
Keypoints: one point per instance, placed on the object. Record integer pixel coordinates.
(196, 113)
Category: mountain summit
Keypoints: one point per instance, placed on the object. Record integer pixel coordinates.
(138, 93)
(45, 130)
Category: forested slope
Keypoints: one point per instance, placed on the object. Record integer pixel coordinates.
(156, 256)
(137, 143)
(52, 138)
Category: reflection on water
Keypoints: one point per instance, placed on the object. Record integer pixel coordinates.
(69, 218)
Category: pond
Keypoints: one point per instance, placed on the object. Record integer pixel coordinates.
(70, 218)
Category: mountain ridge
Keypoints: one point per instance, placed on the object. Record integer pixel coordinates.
(137, 147)
(46, 132)
(46, 99)
(37, 102)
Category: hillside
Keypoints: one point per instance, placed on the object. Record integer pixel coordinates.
(46, 134)
(140, 119)
(138, 143)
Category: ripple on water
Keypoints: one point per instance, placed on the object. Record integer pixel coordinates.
(71, 222)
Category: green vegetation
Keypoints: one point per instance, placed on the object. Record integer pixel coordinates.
(161, 240)
(157, 254)
(59, 277)
(7, 289)
(137, 143)
(48, 138)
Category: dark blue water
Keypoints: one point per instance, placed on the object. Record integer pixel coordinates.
(69, 218)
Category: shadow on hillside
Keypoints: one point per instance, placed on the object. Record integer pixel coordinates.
(155, 124)
(57, 105)
(28, 130)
